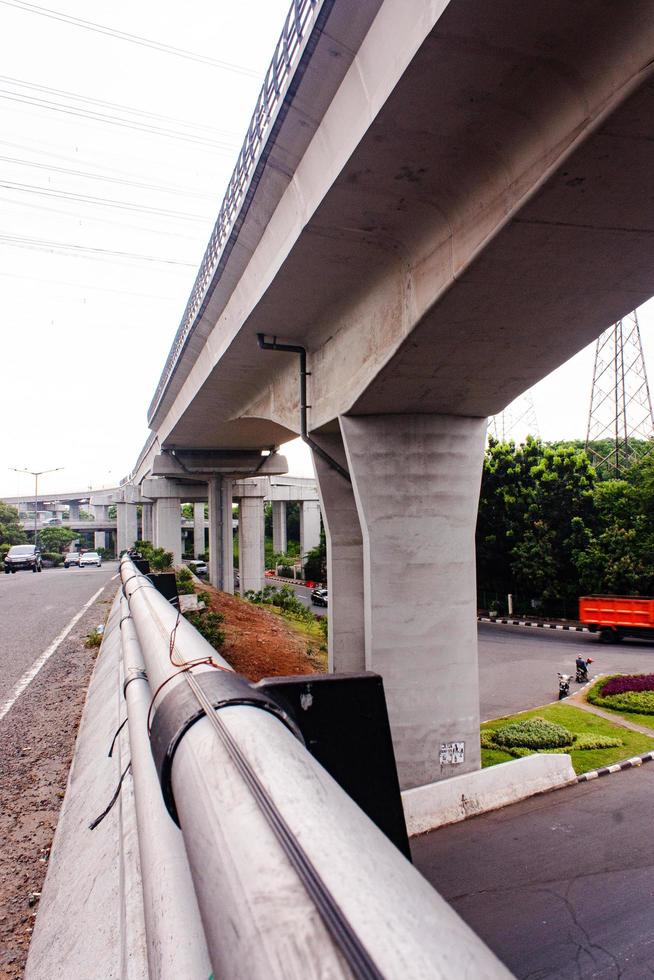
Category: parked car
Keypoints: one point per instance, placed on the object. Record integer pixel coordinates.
(90, 558)
(320, 597)
(198, 567)
(71, 558)
(23, 556)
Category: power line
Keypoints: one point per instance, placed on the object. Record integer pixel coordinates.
(132, 38)
(114, 120)
(89, 286)
(76, 216)
(62, 93)
(140, 184)
(16, 186)
(39, 244)
(40, 151)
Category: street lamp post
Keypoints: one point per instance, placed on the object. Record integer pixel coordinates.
(36, 474)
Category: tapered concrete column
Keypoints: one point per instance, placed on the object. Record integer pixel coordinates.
(168, 526)
(309, 526)
(251, 553)
(347, 652)
(73, 510)
(416, 483)
(99, 540)
(147, 523)
(100, 512)
(280, 538)
(198, 530)
(221, 540)
(126, 526)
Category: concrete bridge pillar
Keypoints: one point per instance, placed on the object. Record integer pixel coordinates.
(100, 512)
(251, 550)
(416, 484)
(347, 652)
(126, 526)
(198, 530)
(168, 526)
(99, 540)
(221, 541)
(309, 526)
(147, 523)
(73, 510)
(280, 537)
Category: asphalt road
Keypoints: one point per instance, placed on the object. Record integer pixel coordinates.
(560, 886)
(34, 609)
(518, 664)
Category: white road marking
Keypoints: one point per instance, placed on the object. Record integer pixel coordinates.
(31, 673)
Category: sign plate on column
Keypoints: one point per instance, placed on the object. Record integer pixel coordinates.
(452, 753)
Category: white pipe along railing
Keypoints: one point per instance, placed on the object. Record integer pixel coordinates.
(291, 878)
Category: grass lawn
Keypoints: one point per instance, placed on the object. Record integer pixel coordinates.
(579, 721)
(647, 720)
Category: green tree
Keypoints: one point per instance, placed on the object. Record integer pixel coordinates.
(56, 538)
(11, 529)
(526, 539)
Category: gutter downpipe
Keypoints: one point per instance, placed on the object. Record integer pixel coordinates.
(176, 945)
(260, 921)
(304, 432)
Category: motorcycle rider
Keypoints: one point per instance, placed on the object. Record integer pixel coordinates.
(582, 668)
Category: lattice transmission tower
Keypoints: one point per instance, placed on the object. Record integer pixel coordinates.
(516, 422)
(620, 414)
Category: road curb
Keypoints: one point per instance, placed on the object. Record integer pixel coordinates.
(534, 623)
(638, 760)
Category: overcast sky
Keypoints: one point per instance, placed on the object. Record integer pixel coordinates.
(114, 157)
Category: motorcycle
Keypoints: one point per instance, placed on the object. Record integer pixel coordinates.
(564, 685)
(582, 670)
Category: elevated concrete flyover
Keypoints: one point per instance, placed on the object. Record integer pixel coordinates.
(452, 199)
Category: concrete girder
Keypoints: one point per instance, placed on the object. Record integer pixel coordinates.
(201, 465)
(462, 220)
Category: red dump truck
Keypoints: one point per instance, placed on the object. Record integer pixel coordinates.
(615, 616)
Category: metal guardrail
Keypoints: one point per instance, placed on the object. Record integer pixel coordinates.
(297, 28)
(290, 877)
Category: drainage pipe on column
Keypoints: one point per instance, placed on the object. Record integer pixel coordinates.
(292, 878)
(175, 937)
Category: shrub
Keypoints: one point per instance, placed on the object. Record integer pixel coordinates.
(591, 740)
(624, 692)
(94, 639)
(623, 683)
(534, 733)
(486, 739)
(204, 597)
(520, 751)
(53, 556)
(209, 625)
(184, 581)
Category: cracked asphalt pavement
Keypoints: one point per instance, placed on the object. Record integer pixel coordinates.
(560, 886)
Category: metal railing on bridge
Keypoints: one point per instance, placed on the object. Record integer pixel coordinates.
(297, 29)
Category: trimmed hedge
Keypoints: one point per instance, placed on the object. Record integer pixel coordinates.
(623, 683)
(534, 733)
(625, 692)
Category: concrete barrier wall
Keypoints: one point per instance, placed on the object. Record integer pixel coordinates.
(451, 800)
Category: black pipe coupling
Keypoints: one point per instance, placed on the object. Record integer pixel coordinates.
(179, 709)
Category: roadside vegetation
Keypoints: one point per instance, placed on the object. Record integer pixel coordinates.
(591, 741)
(284, 602)
(629, 696)
(551, 528)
